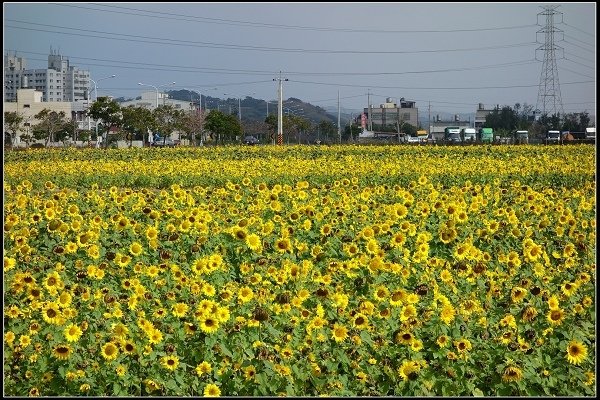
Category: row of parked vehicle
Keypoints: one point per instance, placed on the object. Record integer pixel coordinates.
(555, 136)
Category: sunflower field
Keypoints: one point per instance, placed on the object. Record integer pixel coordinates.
(300, 271)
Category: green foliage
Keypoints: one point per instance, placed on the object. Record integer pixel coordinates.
(12, 124)
(51, 126)
(223, 127)
(137, 121)
(109, 111)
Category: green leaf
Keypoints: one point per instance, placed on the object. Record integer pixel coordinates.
(477, 392)
(364, 335)
(289, 389)
(117, 389)
(226, 351)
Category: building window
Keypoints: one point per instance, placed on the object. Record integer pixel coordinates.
(26, 106)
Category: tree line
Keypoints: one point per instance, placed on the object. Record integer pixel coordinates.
(507, 120)
(138, 123)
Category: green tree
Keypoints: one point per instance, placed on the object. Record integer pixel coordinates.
(192, 125)
(109, 111)
(294, 125)
(168, 120)
(12, 124)
(271, 122)
(67, 131)
(222, 126)
(137, 122)
(84, 135)
(326, 131)
(408, 129)
(351, 132)
(51, 123)
(575, 122)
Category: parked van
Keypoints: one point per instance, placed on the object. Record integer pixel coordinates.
(469, 134)
(522, 137)
(590, 133)
(553, 137)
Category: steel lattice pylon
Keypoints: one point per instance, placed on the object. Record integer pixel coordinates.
(549, 100)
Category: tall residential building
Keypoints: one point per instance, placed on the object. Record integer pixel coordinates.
(59, 82)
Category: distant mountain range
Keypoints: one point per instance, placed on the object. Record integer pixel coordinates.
(256, 109)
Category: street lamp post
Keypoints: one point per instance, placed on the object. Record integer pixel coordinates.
(155, 88)
(164, 94)
(96, 92)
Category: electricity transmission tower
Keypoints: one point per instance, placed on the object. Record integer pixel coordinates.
(549, 100)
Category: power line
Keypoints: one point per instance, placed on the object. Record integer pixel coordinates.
(432, 88)
(581, 41)
(578, 63)
(222, 21)
(583, 58)
(190, 43)
(581, 47)
(578, 73)
(577, 29)
(264, 72)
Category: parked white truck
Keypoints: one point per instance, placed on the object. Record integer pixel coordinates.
(469, 134)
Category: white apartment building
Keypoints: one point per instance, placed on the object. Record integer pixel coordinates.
(59, 82)
(28, 103)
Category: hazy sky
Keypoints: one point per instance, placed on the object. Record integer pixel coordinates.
(453, 55)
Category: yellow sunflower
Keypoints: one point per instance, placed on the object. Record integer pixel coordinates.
(512, 374)
(203, 368)
(135, 249)
(72, 333)
(208, 324)
(253, 242)
(170, 362)
(62, 351)
(555, 317)
(51, 313)
(576, 352)
(339, 333)
(212, 390)
(180, 309)
(109, 351)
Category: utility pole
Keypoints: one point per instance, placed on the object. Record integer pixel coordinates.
(369, 110)
(339, 126)
(280, 110)
(429, 122)
(549, 99)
